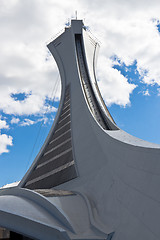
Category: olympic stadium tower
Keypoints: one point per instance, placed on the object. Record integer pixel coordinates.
(90, 180)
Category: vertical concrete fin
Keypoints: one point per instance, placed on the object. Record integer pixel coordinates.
(55, 163)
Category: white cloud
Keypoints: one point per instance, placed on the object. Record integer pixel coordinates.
(44, 120)
(27, 122)
(3, 124)
(15, 120)
(33, 104)
(23, 59)
(146, 93)
(5, 141)
(113, 85)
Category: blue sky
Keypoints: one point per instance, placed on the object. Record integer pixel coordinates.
(141, 119)
(128, 71)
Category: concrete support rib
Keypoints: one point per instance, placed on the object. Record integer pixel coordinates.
(110, 179)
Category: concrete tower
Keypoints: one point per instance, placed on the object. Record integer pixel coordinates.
(90, 180)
